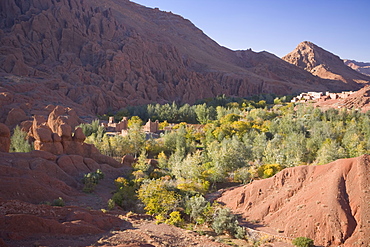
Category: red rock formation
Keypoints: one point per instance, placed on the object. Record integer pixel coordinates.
(324, 64)
(4, 138)
(327, 203)
(15, 116)
(40, 176)
(58, 135)
(128, 160)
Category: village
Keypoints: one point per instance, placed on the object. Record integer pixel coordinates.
(320, 96)
(121, 128)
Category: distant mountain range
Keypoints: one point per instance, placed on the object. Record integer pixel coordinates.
(361, 67)
(100, 56)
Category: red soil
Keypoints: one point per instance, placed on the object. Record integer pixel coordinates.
(328, 203)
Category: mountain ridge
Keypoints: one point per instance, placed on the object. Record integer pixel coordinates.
(362, 67)
(105, 55)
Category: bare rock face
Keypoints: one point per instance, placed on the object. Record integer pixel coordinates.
(15, 116)
(4, 138)
(62, 117)
(324, 64)
(327, 203)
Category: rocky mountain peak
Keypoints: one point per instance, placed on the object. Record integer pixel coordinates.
(308, 56)
(324, 64)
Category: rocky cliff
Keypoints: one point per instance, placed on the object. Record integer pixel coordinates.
(96, 56)
(324, 64)
(327, 203)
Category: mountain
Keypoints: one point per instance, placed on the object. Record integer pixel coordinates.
(324, 64)
(327, 203)
(99, 56)
(361, 67)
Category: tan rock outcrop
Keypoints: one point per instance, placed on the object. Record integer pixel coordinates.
(57, 136)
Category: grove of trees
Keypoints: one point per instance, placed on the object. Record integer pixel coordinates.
(217, 141)
(237, 141)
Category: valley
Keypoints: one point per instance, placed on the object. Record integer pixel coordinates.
(123, 125)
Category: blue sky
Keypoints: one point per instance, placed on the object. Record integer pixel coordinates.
(278, 26)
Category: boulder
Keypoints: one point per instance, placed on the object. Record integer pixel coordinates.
(128, 160)
(43, 134)
(79, 135)
(15, 117)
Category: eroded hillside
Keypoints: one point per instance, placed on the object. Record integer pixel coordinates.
(327, 203)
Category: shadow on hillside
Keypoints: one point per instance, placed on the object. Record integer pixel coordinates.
(249, 224)
(71, 239)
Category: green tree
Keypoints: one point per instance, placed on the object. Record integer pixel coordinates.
(135, 138)
(330, 151)
(258, 148)
(187, 114)
(189, 168)
(18, 141)
(142, 163)
(94, 127)
(204, 113)
(134, 122)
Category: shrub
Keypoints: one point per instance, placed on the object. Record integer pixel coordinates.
(111, 204)
(303, 242)
(175, 219)
(125, 197)
(198, 209)
(240, 232)
(91, 179)
(58, 202)
(266, 171)
(225, 221)
(18, 141)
